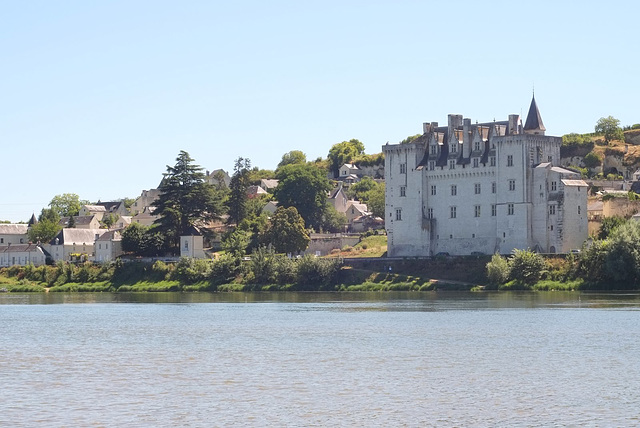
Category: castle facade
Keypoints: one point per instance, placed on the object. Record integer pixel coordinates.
(482, 188)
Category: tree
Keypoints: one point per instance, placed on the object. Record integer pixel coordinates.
(237, 201)
(344, 152)
(72, 222)
(374, 199)
(185, 199)
(46, 228)
(292, 157)
(67, 204)
(592, 160)
(608, 225)
(109, 220)
(357, 190)
(287, 233)
(333, 221)
(305, 187)
(526, 267)
(498, 270)
(142, 240)
(610, 128)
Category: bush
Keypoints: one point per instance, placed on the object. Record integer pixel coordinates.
(190, 270)
(312, 271)
(526, 267)
(498, 270)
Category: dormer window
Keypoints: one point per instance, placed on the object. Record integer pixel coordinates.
(476, 146)
(454, 147)
(434, 149)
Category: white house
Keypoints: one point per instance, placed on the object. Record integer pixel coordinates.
(192, 245)
(81, 222)
(74, 244)
(349, 169)
(484, 187)
(146, 198)
(96, 210)
(22, 254)
(13, 234)
(108, 246)
(146, 217)
(356, 209)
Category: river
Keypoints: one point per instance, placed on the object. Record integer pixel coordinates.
(319, 359)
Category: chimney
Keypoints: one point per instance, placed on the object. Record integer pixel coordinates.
(466, 138)
(514, 120)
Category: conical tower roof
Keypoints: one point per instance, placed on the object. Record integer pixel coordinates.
(33, 220)
(534, 120)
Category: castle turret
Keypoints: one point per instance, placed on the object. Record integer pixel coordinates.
(534, 124)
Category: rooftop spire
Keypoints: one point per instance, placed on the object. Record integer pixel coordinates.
(534, 124)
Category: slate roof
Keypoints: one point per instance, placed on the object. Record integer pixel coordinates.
(14, 229)
(79, 219)
(534, 120)
(77, 236)
(95, 208)
(20, 248)
(268, 183)
(112, 235)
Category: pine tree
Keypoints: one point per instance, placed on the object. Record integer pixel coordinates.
(238, 190)
(185, 200)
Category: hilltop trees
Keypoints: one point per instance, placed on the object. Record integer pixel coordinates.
(67, 204)
(287, 233)
(292, 157)
(609, 127)
(185, 198)
(47, 227)
(344, 152)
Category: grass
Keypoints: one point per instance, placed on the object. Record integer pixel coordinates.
(371, 246)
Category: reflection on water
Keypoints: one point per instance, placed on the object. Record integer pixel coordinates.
(301, 359)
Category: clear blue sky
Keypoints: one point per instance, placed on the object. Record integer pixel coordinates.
(96, 98)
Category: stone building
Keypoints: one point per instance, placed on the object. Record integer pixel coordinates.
(484, 187)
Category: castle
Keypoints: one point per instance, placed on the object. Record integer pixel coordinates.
(482, 188)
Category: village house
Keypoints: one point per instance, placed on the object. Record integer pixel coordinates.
(146, 217)
(74, 244)
(93, 210)
(108, 246)
(192, 244)
(482, 188)
(81, 222)
(146, 199)
(14, 234)
(22, 255)
(269, 184)
(218, 177)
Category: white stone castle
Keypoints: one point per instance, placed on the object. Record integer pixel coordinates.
(482, 188)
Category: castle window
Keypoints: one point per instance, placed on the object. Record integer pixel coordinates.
(452, 164)
(476, 163)
(477, 211)
(432, 165)
(476, 146)
(552, 210)
(403, 168)
(492, 161)
(398, 214)
(494, 210)
(550, 159)
(454, 148)
(493, 187)
(510, 209)
(554, 186)
(430, 213)
(512, 185)
(403, 191)
(433, 190)
(476, 188)
(452, 212)
(454, 190)
(510, 160)
(578, 209)
(186, 245)
(434, 149)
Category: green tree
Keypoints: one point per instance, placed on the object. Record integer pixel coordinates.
(526, 267)
(236, 242)
(142, 240)
(592, 160)
(305, 187)
(608, 225)
(344, 152)
(72, 222)
(287, 233)
(109, 220)
(46, 228)
(333, 221)
(67, 204)
(498, 270)
(237, 201)
(609, 127)
(185, 199)
(292, 157)
(374, 199)
(357, 190)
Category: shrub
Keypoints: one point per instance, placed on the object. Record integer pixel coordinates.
(312, 271)
(526, 267)
(498, 270)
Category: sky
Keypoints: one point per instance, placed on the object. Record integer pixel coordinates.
(97, 98)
